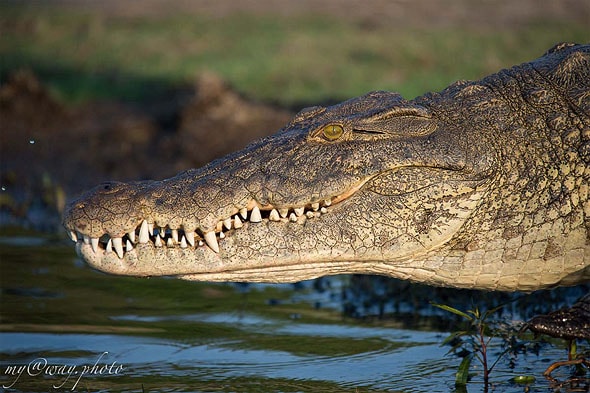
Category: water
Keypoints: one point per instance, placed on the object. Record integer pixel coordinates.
(66, 327)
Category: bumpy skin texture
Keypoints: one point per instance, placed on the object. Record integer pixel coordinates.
(483, 185)
(568, 322)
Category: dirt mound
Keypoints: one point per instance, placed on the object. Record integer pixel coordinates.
(49, 151)
(218, 120)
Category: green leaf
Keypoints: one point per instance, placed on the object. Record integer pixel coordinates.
(493, 310)
(455, 348)
(573, 349)
(453, 310)
(462, 375)
(454, 336)
(524, 379)
(461, 389)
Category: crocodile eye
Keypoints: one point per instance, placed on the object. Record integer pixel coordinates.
(331, 132)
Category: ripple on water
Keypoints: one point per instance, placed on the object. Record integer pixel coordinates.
(225, 359)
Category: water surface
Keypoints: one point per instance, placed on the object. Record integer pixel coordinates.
(66, 327)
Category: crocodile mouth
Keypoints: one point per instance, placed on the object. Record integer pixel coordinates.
(147, 233)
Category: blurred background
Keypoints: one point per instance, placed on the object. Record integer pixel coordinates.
(125, 90)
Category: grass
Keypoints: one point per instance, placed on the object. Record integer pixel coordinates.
(304, 59)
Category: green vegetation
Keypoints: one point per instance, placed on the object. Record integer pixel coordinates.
(478, 336)
(474, 342)
(288, 60)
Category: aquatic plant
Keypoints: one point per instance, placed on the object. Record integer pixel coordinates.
(473, 342)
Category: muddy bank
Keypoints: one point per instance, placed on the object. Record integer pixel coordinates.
(50, 151)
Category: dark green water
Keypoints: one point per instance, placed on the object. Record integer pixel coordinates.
(65, 327)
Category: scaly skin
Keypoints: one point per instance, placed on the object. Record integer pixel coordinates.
(567, 322)
(483, 185)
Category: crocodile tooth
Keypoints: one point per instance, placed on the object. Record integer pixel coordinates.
(315, 206)
(144, 232)
(227, 223)
(94, 243)
(131, 236)
(175, 235)
(255, 216)
(244, 213)
(310, 215)
(201, 244)
(221, 235)
(284, 212)
(237, 222)
(323, 210)
(190, 237)
(299, 211)
(327, 202)
(128, 246)
(73, 236)
(183, 243)
(158, 242)
(274, 215)
(169, 242)
(211, 241)
(118, 246)
(150, 228)
(109, 246)
(292, 217)
(219, 226)
(86, 239)
(162, 232)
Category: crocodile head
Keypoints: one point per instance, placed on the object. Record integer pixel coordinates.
(431, 190)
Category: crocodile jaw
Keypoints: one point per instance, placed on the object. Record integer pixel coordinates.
(267, 262)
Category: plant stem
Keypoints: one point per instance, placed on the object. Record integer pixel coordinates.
(484, 353)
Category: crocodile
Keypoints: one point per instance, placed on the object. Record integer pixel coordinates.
(483, 185)
(569, 323)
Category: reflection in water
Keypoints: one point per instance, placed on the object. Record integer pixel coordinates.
(337, 334)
